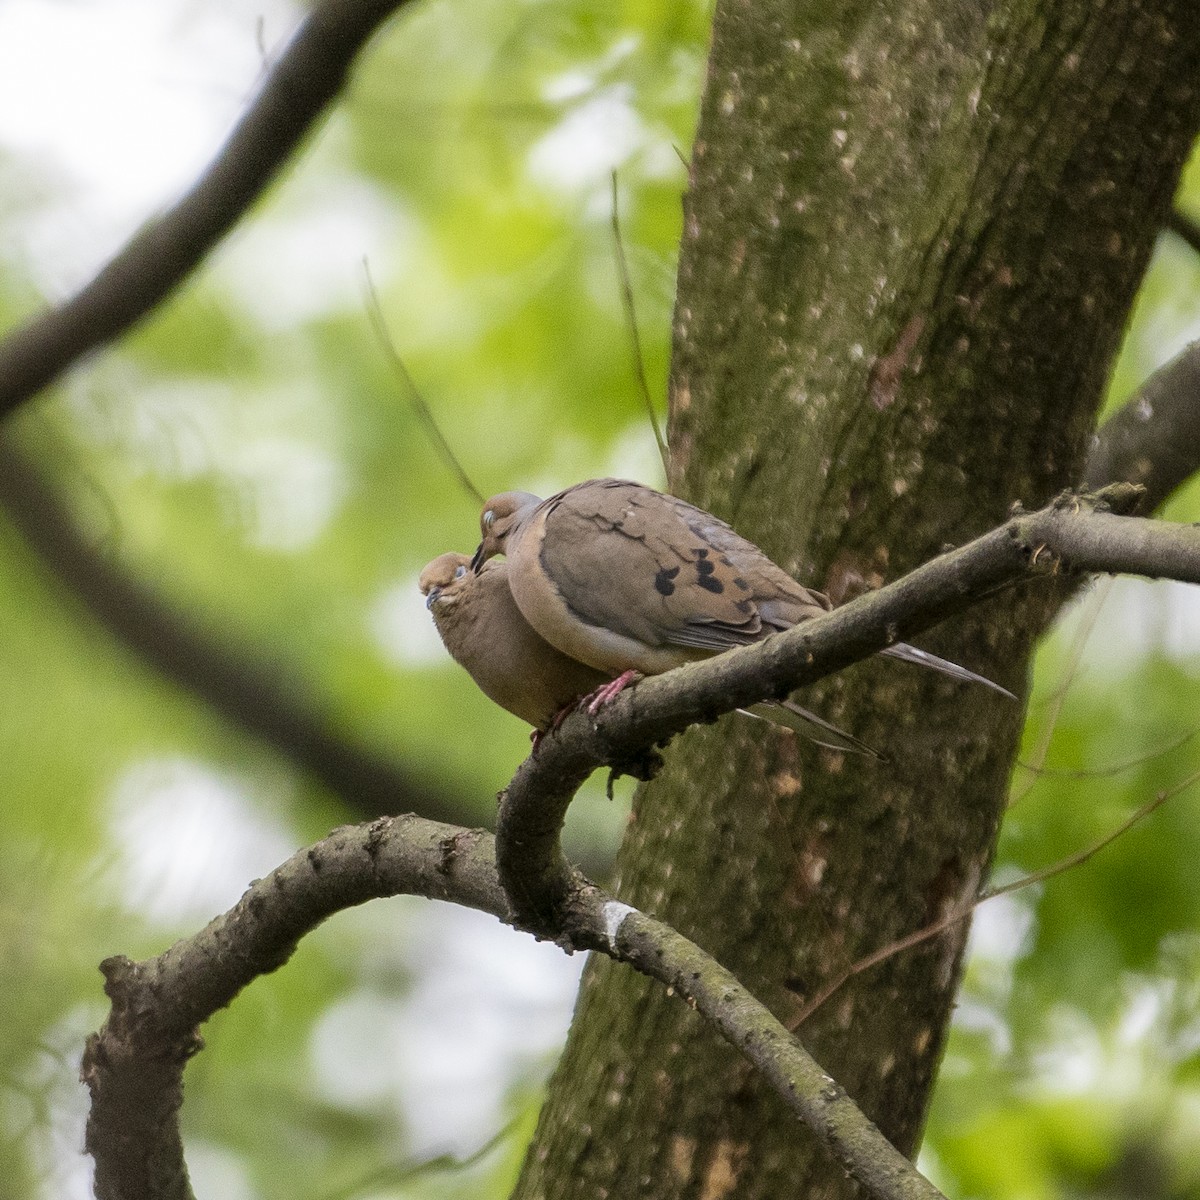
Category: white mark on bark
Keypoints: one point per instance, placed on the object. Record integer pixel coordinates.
(614, 913)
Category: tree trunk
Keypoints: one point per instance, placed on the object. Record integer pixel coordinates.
(913, 235)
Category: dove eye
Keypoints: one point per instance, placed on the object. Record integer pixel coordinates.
(459, 571)
(489, 519)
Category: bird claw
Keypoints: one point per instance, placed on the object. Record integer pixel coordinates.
(609, 692)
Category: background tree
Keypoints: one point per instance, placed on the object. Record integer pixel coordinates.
(203, 484)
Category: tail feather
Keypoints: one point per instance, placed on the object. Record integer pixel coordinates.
(923, 658)
(809, 725)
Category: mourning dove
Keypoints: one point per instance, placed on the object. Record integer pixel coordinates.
(629, 580)
(483, 630)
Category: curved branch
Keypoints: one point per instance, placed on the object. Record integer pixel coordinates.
(306, 77)
(1154, 439)
(1073, 534)
(134, 1065)
(657, 950)
(232, 679)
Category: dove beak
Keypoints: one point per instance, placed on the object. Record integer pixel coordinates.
(479, 558)
(434, 593)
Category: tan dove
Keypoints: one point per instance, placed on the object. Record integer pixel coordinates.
(484, 631)
(629, 580)
(482, 628)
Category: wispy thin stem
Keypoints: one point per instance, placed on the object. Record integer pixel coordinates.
(420, 407)
(961, 912)
(635, 339)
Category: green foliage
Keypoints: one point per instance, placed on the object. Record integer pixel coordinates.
(250, 453)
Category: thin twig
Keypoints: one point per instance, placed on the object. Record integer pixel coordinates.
(635, 339)
(963, 911)
(419, 405)
(1114, 769)
(1059, 696)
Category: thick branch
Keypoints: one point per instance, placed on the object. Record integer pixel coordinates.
(231, 678)
(1154, 440)
(1071, 534)
(307, 76)
(657, 950)
(134, 1065)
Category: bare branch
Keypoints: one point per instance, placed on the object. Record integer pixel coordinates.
(657, 950)
(134, 1064)
(233, 679)
(305, 78)
(1154, 439)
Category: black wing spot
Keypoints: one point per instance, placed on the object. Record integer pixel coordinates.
(662, 581)
(745, 606)
(740, 584)
(704, 574)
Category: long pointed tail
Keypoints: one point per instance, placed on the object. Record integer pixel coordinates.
(809, 725)
(923, 658)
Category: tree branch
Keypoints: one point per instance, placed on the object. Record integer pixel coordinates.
(1154, 439)
(306, 77)
(252, 694)
(134, 1065)
(1072, 534)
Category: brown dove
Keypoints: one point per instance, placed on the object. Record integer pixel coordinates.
(629, 580)
(483, 630)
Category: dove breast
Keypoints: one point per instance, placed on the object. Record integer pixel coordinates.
(484, 632)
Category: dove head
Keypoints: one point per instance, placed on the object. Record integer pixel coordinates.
(502, 518)
(439, 577)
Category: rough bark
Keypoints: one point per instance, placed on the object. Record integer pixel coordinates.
(913, 235)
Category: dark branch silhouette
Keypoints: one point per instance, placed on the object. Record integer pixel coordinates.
(266, 701)
(1180, 224)
(306, 77)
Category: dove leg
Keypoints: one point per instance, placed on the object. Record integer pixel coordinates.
(559, 717)
(610, 691)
